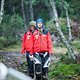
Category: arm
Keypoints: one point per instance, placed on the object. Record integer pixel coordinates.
(50, 44)
(23, 44)
(31, 51)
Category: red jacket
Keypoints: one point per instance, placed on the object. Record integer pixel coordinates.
(42, 42)
(27, 43)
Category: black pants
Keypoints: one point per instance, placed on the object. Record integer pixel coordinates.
(41, 65)
(30, 65)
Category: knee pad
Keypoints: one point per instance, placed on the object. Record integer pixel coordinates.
(45, 71)
(38, 69)
(47, 63)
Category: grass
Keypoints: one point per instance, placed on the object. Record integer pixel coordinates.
(15, 47)
(76, 45)
(57, 48)
(63, 71)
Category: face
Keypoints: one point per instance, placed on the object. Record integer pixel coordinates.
(32, 27)
(39, 24)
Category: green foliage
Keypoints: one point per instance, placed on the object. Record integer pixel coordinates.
(14, 47)
(63, 71)
(74, 9)
(42, 13)
(2, 41)
(11, 27)
(76, 44)
(35, 2)
(51, 26)
(12, 22)
(65, 58)
(41, 9)
(63, 25)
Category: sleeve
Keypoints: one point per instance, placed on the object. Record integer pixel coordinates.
(23, 44)
(32, 51)
(50, 44)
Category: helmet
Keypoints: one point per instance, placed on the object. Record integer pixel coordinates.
(32, 23)
(40, 20)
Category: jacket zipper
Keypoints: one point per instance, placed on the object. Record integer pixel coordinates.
(40, 42)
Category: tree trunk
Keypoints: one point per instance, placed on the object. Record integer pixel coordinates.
(50, 12)
(68, 26)
(71, 51)
(31, 10)
(64, 4)
(1, 11)
(22, 5)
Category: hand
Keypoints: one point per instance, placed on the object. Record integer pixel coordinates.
(31, 57)
(24, 54)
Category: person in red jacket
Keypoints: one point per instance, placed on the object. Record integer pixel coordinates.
(27, 47)
(43, 48)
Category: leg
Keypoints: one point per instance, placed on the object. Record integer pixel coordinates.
(45, 74)
(46, 61)
(38, 71)
(30, 66)
(38, 67)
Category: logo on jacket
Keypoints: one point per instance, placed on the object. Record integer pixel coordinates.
(36, 36)
(28, 37)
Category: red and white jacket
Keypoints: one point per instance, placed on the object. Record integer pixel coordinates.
(27, 43)
(42, 42)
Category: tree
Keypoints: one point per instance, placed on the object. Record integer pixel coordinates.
(71, 52)
(11, 28)
(1, 11)
(31, 10)
(65, 5)
(75, 9)
(22, 5)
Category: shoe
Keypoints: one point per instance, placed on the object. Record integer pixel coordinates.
(44, 77)
(38, 78)
(31, 75)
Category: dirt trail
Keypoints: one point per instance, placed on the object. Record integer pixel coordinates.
(13, 59)
(16, 60)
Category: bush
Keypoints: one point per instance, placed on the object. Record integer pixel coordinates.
(65, 58)
(51, 26)
(76, 44)
(65, 71)
(2, 42)
(11, 27)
